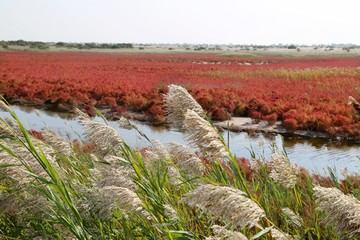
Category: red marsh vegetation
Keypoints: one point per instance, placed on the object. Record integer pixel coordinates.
(305, 93)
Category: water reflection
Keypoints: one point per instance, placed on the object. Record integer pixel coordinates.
(313, 154)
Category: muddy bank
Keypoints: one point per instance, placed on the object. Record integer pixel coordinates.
(244, 124)
(236, 124)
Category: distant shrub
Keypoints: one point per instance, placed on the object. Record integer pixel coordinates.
(290, 124)
(255, 116)
(219, 114)
(240, 110)
(271, 119)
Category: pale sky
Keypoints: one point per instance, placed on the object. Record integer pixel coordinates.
(182, 21)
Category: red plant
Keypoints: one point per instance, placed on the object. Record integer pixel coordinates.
(313, 91)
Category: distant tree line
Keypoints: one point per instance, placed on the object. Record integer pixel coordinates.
(44, 45)
(94, 45)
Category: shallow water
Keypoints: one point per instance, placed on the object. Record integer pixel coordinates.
(312, 154)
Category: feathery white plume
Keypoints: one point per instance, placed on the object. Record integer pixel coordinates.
(294, 218)
(282, 170)
(199, 132)
(221, 233)
(59, 144)
(342, 211)
(185, 159)
(225, 203)
(277, 235)
(177, 101)
(105, 138)
(125, 123)
(4, 107)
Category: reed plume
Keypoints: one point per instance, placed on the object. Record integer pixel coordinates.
(294, 218)
(23, 157)
(101, 202)
(200, 133)
(4, 107)
(171, 213)
(177, 102)
(277, 235)
(225, 203)
(105, 138)
(59, 144)
(342, 211)
(185, 159)
(282, 171)
(221, 233)
(125, 123)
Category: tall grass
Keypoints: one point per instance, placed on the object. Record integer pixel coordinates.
(100, 188)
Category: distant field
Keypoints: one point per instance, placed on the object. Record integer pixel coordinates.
(226, 50)
(306, 93)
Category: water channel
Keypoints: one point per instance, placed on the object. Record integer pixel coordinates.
(312, 154)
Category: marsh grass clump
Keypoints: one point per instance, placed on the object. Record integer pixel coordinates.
(100, 188)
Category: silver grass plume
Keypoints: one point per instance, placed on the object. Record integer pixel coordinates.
(23, 202)
(11, 122)
(5, 129)
(171, 213)
(277, 235)
(177, 101)
(81, 114)
(105, 138)
(174, 175)
(257, 164)
(113, 174)
(221, 233)
(23, 154)
(125, 123)
(4, 107)
(293, 218)
(225, 203)
(185, 159)
(200, 132)
(157, 153)
(101, 202)
(342, 211)
(282, 170)
(59, 144)
(160, 150)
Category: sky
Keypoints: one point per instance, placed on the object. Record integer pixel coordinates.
(182, 21)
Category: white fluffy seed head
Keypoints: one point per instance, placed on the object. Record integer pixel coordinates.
(277, 235)
(257, 164)
(185, 159)
(200, 133)
(177, 101)
(105, 138)
(294, 218)
(221, 233)
(82, 116)
(171, 213)
(282, 171)
(342, 211)
(125, 123)
(225, 203)
(59, 144)
(4, 107)
(23, 155)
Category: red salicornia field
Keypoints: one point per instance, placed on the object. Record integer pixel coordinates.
(305, 93)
